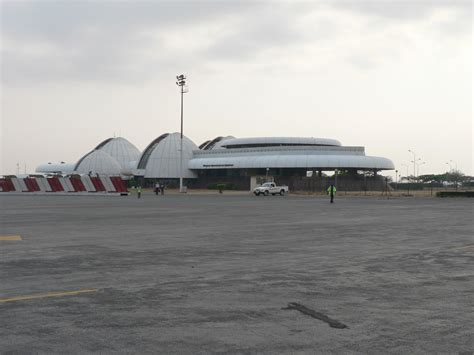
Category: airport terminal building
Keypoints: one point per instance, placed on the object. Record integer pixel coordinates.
(240, 162)
(285, 159)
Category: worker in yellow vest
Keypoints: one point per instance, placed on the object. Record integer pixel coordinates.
(332, 192)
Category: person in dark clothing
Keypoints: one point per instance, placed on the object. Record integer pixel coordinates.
(332, 192)
(162, 189)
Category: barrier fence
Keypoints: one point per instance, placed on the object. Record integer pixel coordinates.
(74, 184)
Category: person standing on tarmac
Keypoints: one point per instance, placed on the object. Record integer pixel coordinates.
(332, 192)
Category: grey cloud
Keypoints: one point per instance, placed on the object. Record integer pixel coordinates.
(105, 58)
(59, 20)
(254, 35)
(98, 41)
(105, 41)
(362, 62)
(276, 26)
(402, 10)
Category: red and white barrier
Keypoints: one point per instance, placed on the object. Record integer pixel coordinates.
(74, 184)
(107, 184)
(43, 184)
(86, 181)
(55, 184)
(22, 184)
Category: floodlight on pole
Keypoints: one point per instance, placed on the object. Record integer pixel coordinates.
(181, 82)
(450, 166)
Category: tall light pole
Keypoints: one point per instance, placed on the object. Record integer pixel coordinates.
(181, 82)
(450, 166)
(414, 161)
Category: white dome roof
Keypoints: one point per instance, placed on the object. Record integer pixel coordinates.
(121, 150)
(161, 158)
(98, 162)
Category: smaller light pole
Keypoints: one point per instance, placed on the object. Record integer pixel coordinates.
(455, 164)
(450, 166)
(418, 167)
(396, 179)
(181, 82)
(452, 171)
(406, 166)
(408, 181)
(414, 161)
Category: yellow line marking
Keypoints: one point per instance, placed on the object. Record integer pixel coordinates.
(45, 295)
(10, 237)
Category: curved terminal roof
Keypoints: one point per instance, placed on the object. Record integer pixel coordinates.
(218, 145)
(98, 162)
(214, 143)
(204, 144)
(145, 156)
(121, 150)
(309, 157)
(161, 158)
(254, 142)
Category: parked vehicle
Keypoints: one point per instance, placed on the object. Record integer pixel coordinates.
(270, 188)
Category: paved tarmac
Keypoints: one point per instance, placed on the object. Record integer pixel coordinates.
(214, 273)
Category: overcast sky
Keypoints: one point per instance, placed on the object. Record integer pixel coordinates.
(387, 75)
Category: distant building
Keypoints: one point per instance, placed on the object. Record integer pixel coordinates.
(56, 168)
(286, 153)
(284, 158)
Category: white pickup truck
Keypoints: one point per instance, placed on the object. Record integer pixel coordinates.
(270, 188)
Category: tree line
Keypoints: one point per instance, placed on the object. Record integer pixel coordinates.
(453, 177)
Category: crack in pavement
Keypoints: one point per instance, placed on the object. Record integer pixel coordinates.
(333, 323)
